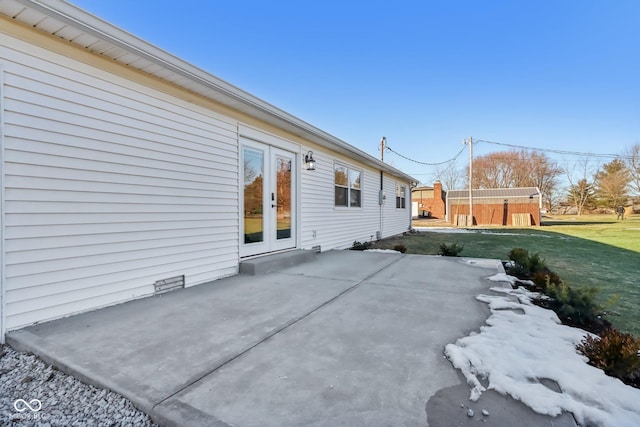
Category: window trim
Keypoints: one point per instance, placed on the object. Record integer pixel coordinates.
(401, 200)
(349, 170)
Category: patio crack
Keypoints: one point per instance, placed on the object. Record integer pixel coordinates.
(271, 335)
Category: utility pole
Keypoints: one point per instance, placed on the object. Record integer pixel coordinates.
(383, 142)
(471, 180)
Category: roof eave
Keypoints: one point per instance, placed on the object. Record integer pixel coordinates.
(209, 86)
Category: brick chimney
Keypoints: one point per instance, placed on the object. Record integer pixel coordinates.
(437, 190)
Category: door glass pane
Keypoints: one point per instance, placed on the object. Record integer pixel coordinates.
(253, 195)
(283, 191)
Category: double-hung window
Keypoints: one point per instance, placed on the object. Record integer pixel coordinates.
(348, 186)
(400, 196)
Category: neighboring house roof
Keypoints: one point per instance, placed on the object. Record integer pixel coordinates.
(494, 193)
(77, 26)
(423, 188)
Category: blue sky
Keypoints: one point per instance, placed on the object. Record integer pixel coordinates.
(425, 74)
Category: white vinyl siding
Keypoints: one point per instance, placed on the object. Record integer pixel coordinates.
(109, 187)
(396, 220)
(331, 226)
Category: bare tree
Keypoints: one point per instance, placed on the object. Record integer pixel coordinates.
(495, 170)
(554, 199)
(543, 173)
(581, 191)
(632, 157)
(450, 175)
(509, 169)
(581, 194)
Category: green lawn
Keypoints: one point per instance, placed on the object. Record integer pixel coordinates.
(584, 251)
(254, 225)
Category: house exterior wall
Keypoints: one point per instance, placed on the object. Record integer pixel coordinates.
(330, 226)
(112, 183)
(395, 220)
(108, 186)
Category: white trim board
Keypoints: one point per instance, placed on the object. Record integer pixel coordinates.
(2, 231)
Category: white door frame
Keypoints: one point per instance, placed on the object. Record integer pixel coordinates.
(270, 241)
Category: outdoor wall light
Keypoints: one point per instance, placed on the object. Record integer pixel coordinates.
(309, 163)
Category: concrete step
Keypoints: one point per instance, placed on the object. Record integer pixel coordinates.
(274, 262)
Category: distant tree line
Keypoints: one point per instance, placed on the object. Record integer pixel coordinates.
(613, 184)
(516, 168)
(589, 185)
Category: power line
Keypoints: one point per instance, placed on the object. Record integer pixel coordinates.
(504, 144)
(426, 163)
(556, 151)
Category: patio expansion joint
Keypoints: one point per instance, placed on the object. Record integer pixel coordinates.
(420, 288)
(271, 335)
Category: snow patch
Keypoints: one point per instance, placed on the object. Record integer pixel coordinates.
(513, 234)
(443, 230)
(476, 230)
(515, 352)
(503, 277)
(384, 251)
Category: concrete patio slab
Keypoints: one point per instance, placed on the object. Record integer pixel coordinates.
(373, 357)
(149, 348)
(350, 338)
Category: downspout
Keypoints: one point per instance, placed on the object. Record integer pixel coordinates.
(446, 208)
(539, 206)
(381, 203)
(383, 141)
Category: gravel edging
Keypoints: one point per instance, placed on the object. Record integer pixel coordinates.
(65, 400)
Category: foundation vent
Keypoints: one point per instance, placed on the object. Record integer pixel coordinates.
(166, 285)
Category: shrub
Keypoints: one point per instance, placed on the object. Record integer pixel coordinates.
(575, 307)
(400, 248)
(542, 279)
(519, 256)
(525, 265)
(616, 353)
(450, 250)
(535, 263)
(357, 246)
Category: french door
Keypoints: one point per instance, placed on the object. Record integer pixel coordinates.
(268, 199)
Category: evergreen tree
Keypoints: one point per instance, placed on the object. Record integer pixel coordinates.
(612, 184)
